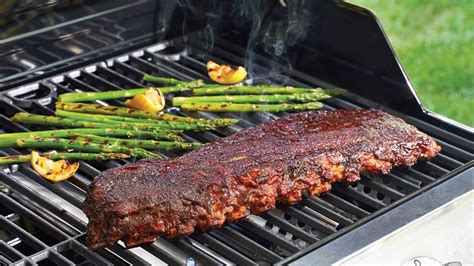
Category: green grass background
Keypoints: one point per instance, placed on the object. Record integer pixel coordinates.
(434, 40)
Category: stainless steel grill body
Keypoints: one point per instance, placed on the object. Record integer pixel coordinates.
(109, 45)
(43, 221)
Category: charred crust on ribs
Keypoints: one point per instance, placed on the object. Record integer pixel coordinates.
(247, 172)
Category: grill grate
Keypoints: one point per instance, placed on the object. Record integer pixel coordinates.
(42, 222)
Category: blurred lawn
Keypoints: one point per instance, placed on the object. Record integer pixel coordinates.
(434, 40)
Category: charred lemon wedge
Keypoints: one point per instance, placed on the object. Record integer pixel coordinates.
(225, 74)
(152, 101)
(51, 170)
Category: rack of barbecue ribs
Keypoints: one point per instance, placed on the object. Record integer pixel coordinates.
(247, 173)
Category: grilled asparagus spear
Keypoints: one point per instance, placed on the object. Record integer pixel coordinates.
(72, 97)
(274, 98)
(212, 89)
(65, 122)
(139, 123)
(67, 156)
(231, 90)
(249, 107)
(144, 144)
(64, 133)
(128, 112)
(78, 145)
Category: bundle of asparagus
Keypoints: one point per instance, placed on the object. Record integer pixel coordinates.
(254, 99)
(220, 98)
(97, 147)
(96, 132)
(251, 103)
(207, 97)
(87, 122)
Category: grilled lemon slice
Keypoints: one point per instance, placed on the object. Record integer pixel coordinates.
(225, 74)
(152, 101)
(51, 170)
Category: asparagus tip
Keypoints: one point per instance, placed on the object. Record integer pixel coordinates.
(335, 91)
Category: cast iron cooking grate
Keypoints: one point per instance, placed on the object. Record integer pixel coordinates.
(42, 222)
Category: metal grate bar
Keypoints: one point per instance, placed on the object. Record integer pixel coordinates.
(77, 253)
(11, 127)
(220, 247)
(288, 227)
(200, 253)
(124, 81)
(9, 252)
(245, 244)
(38, 196)
(344, 205)
(357, 195)
(158, 67)
(310, 220)
(430, 168)
(78, 84)
(277, 239)
(46, 227)
(447, 162)
(22, 237)
(402, 182)
(99, 81)
(167, 252)
(131, 72)
(185, 70)
(65, 190)
(382, 189)
(312, 203)
(130, 256)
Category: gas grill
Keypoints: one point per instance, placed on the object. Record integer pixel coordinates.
(109, 45)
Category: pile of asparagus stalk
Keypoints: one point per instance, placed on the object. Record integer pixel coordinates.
(219, 98)
(92, 131)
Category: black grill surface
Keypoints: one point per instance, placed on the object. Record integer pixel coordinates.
(42, 222)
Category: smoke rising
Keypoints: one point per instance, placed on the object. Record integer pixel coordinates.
(273, 27)
(209, 12)
(273, 31)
